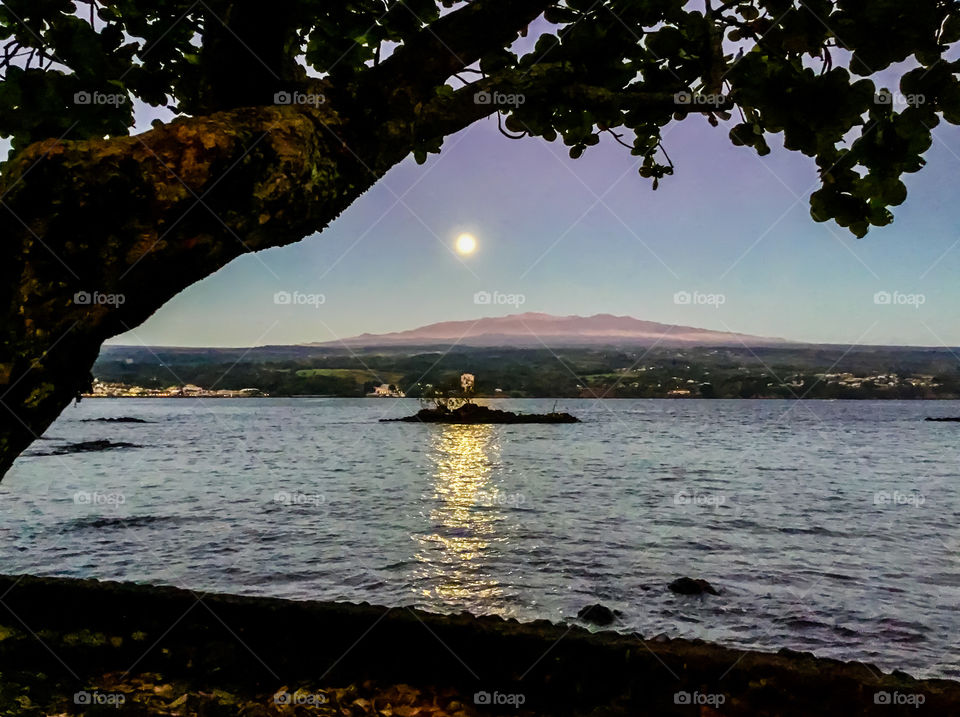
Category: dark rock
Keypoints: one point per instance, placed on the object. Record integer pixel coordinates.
(689, 586)
(598, 673)
(119, 419)
(90, 446)
(598, 615)
(474, 413)
(951, 419)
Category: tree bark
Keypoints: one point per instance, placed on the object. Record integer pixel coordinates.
(99, 234)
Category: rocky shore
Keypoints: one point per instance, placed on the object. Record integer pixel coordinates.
(473, 413)
(86, 647)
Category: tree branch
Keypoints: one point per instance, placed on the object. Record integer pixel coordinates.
(456, 41)
(446, 115)
(142, 218)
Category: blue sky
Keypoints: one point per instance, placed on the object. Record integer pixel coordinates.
(590, 236)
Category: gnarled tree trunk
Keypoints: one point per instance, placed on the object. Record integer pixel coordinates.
(98, 234)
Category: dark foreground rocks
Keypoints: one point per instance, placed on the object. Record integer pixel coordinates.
(77, 646)
(691, 586)
(472, 413)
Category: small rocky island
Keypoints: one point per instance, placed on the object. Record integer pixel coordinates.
(462, 410)
(470, 413)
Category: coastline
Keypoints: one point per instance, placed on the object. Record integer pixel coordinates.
(61, 637)
(917, 399)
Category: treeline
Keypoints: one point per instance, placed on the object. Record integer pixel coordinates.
(698, 372)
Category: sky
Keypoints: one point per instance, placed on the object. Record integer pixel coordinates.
(579, 237)
(590, 236)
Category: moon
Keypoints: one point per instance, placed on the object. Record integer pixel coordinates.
(466, 244)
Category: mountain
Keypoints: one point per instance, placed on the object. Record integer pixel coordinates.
(536, 330)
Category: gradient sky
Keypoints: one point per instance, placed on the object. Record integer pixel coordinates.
(590, 236)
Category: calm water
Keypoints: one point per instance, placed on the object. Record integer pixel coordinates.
(829, 526)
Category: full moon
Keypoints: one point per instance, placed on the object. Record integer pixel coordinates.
(466, 244)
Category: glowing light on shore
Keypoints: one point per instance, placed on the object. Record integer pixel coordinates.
(466, 244)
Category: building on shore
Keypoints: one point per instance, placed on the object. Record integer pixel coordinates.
(386, 390)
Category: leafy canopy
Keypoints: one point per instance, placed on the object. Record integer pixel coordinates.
(623, 68)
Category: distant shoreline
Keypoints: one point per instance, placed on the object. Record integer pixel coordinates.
(552, 398)
(526, 373)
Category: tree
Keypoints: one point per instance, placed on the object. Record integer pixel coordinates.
(286, 115)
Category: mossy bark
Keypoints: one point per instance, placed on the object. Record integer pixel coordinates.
(142, 218)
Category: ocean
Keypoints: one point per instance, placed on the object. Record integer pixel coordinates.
(832, 526)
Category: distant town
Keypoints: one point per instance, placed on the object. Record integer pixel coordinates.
(691, 372)
(882, 380)
(106, 389)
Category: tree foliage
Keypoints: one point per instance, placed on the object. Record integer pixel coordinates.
(799, 69)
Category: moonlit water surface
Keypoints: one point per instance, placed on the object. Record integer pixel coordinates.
(828, 526)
